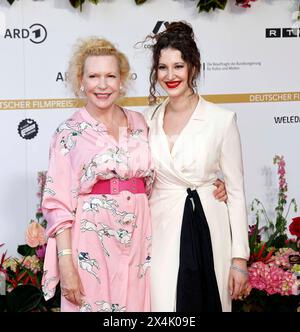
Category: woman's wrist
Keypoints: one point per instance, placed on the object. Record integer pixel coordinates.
(239, 269)
(239, 261)
(240, 265)
(65, 261)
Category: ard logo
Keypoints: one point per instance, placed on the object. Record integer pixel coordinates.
(36, 33)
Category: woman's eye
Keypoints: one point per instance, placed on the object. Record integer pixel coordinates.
(179, 66)
(91, 76)
(161, 67)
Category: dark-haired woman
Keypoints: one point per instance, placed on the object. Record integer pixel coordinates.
(199, 244)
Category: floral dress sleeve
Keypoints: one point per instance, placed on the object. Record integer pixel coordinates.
(59, 198)
(58, 207)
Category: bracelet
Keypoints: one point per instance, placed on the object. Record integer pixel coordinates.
(64, 252)
(234, 267)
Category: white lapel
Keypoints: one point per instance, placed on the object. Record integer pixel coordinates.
(159, 143)
(194, 126)
(158, 139)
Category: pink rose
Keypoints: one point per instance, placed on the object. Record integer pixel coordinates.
(35, 235)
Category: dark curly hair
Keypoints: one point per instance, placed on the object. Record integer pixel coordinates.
(180, 36)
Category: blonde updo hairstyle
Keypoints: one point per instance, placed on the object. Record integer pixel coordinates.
(93, 46)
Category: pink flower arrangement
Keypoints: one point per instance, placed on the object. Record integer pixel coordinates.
(272, 279)
(282, 257)
(27, 270)
(23, 275)
(274, 275)
(274, 264)
(32, 263)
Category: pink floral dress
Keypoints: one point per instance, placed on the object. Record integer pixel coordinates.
(111, 234)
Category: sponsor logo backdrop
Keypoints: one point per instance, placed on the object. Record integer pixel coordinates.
(250, 65)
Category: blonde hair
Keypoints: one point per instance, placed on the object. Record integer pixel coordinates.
(93, 46)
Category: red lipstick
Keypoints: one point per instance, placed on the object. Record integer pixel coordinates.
(172, 84)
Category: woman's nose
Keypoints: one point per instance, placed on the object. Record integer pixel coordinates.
(102, 84)
(170, 74)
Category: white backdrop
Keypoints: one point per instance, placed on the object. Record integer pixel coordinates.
(255, 76)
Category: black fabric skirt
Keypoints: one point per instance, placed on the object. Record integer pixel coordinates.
(197, 289)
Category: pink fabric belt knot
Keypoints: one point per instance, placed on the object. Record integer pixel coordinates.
(114, 186)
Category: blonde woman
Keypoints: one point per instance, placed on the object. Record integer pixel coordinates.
(95, 200)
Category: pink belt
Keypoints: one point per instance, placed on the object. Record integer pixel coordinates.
(114, 186)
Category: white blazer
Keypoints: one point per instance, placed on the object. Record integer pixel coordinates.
(209, 145)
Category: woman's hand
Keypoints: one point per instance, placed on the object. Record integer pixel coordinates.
(220, 193)
(238, 278)
(70, 283)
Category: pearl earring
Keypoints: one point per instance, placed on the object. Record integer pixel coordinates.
(82, 89)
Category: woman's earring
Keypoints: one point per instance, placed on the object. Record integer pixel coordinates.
(82, 88)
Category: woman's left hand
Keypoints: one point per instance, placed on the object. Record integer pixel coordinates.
(238, 278)
(220, 193)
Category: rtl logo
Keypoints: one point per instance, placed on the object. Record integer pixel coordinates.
(282, 32)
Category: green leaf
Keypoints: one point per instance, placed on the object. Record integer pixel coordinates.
(38, 215)
(44, 223)
(77, 3)
(140, 2)
(24, 298)
(207, 5)
(95, 2)
(25, 250)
